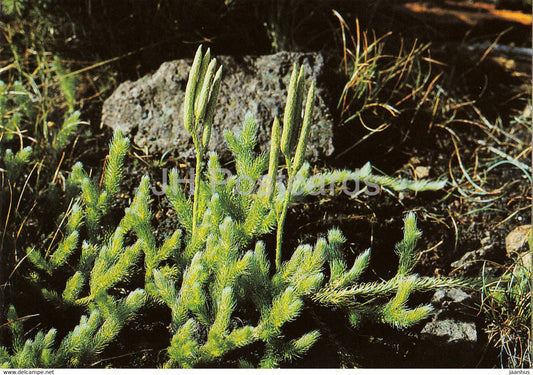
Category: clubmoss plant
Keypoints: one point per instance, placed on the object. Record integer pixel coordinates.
(94, 264)
(227, 296)
(79, 348)
(228, 304)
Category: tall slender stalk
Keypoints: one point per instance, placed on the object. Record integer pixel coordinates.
(281, 222)
(291, 120)
(197, 180)
(198, 110)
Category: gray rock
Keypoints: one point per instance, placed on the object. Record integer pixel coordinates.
(149, 110)
(467, 261)
(453, 303)
(473, 260)
(450, 337)
(449, 332)
(452, 299)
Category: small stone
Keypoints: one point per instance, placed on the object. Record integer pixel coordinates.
(466, 262)
(422, 172)
(449, 332)
(443, 297)
(452, 302)
(516, 241)
(485, 240)
(473, 260)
